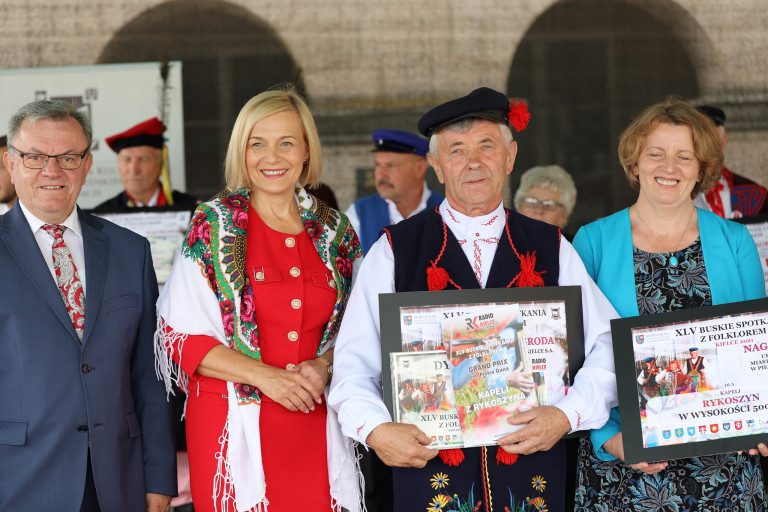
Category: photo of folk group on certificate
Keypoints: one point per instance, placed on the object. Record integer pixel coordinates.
(702, 380)
(465, 368)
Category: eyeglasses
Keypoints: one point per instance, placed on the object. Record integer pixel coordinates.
(547, 204)
(66, 162)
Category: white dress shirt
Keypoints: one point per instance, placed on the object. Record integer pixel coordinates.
(73, 237)
(356, 386)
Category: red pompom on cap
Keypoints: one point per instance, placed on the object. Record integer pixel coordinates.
(518, 115)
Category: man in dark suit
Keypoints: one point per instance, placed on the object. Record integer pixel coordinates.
(84, 421)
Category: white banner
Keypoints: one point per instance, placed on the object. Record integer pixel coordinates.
(115, 97)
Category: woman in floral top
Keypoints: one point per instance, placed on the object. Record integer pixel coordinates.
(663, 254)
(248, 320)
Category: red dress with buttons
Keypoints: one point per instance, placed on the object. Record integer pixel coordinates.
(294, 295)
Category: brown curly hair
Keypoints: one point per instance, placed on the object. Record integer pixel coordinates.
(673, 110)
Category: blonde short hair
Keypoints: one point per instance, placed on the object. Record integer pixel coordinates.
(267, 103)
(673, 110)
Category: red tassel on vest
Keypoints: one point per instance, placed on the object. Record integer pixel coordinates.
(503, 457)
(452, 457)
(528, 275)
(437, 278)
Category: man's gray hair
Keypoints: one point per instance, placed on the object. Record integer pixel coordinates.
(552, 177)
(464, 126)
(51, 110)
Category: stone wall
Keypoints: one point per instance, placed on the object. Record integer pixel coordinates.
(382, 64)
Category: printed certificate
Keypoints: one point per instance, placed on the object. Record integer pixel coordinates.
(422, 384)
(507, 350)
(165, 231)
(695, 382)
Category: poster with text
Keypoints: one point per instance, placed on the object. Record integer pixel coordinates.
(697, 385)
(424, 396)
(511, 353)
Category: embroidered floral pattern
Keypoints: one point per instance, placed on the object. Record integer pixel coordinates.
(199, 230)
(313, 229)
(439, 481)
(439, 502)
(446, 503)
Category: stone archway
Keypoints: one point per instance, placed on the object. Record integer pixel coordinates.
(586, 67)
(228, 55)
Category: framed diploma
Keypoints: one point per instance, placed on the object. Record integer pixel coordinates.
(499, 350)
(693, 382)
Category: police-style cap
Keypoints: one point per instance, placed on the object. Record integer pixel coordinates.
(482, 103)
(147, 133)
(715, 114)
(693, 349)
(648, 359)
(399, 141)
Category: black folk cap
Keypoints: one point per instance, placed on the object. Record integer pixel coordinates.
(715, 114)
(482, 103)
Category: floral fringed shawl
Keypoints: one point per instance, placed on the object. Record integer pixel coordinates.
(209, 293)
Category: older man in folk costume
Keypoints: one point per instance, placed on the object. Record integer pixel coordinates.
(471, 241)
(142, 160)
(649, 378)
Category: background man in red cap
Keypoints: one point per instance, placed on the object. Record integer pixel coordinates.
(733, 196)
(140, 161)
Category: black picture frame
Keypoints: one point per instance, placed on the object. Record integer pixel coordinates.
(628, 354)
(391, 304)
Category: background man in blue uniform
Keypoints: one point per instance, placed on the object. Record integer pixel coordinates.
(401, 192)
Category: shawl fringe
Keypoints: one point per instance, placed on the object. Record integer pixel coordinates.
(165, 367)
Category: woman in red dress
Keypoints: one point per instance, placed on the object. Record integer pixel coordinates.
(248, 319)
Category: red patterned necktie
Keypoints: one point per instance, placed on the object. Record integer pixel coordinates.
(70, 286)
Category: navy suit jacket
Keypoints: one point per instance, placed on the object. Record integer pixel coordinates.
(57, 395)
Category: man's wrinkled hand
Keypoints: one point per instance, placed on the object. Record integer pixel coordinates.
(158, 502)
(401, 445)
(546, 425)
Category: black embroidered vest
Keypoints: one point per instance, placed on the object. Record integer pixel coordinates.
(418, 240)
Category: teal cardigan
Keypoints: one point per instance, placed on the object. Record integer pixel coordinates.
(605, 247)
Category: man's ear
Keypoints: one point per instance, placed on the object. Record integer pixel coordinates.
(436, 166)
(8, 161)
(511, 155)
